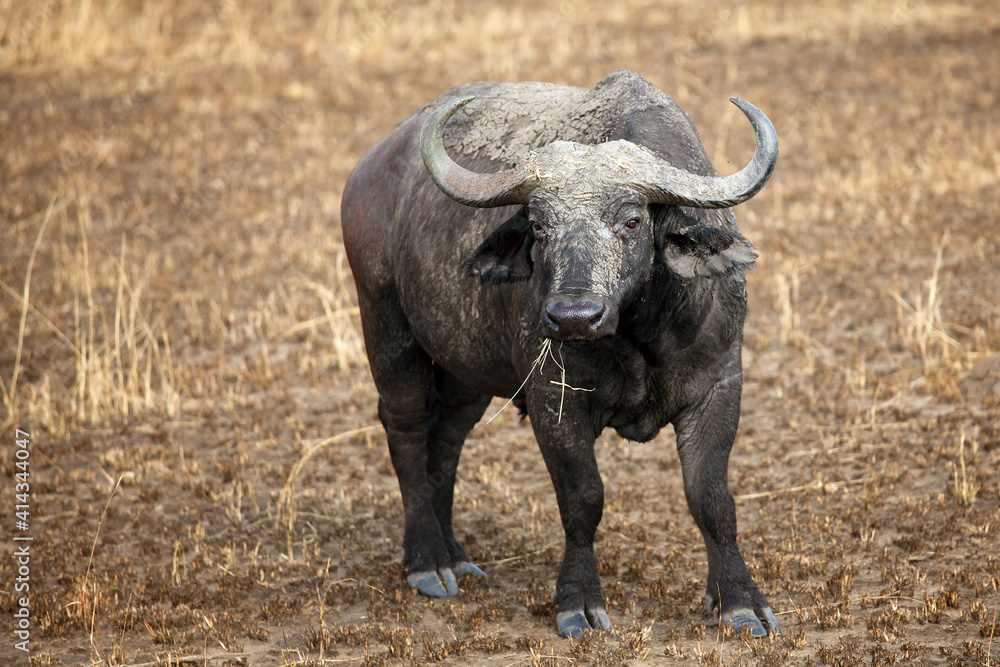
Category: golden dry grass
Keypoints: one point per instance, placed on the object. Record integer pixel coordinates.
(180, 336)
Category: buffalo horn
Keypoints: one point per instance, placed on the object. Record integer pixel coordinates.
(660, 181)
(468, 187)
(663, 183)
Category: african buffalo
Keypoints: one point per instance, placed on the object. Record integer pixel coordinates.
(504, 218)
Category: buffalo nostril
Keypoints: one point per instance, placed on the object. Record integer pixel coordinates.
(574, 318)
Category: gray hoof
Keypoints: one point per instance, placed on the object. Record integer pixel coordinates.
(775, 628)
(742, 617)
(465, 567)
(573, 623)
(434, 584)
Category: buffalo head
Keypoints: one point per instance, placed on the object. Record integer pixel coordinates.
(600, 215)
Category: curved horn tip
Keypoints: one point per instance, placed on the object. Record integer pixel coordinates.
(744, 106)
(441, 114)
(456, 103)
(762, 125)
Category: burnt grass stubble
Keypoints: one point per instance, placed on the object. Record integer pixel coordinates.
(208, 479)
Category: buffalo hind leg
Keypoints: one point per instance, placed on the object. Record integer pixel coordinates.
(453, 410)
(402, 371)
(705, 437)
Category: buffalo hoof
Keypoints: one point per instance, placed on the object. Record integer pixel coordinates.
(573, 623)
(465, 567)
(434, 584)
(744, 617)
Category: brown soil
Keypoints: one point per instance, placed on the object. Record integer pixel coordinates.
(208, 480)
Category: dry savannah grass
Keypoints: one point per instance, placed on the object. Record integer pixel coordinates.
(180, 339)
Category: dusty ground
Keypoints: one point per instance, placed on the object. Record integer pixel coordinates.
(208, 483)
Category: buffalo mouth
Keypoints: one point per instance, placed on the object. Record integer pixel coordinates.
(583, 317)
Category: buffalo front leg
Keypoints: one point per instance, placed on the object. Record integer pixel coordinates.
(402, 371)
(705, 435)
(567, 446)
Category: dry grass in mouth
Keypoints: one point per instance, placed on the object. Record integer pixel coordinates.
(544, 354)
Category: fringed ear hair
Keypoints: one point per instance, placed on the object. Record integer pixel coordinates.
(691, 248)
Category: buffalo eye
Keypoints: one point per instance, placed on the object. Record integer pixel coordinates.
(632, 223)
(536, 227)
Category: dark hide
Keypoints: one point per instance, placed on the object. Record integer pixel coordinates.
(644, 304)
(504, 257)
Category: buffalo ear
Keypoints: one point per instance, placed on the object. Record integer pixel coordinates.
(691, 248)
(505, 256)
